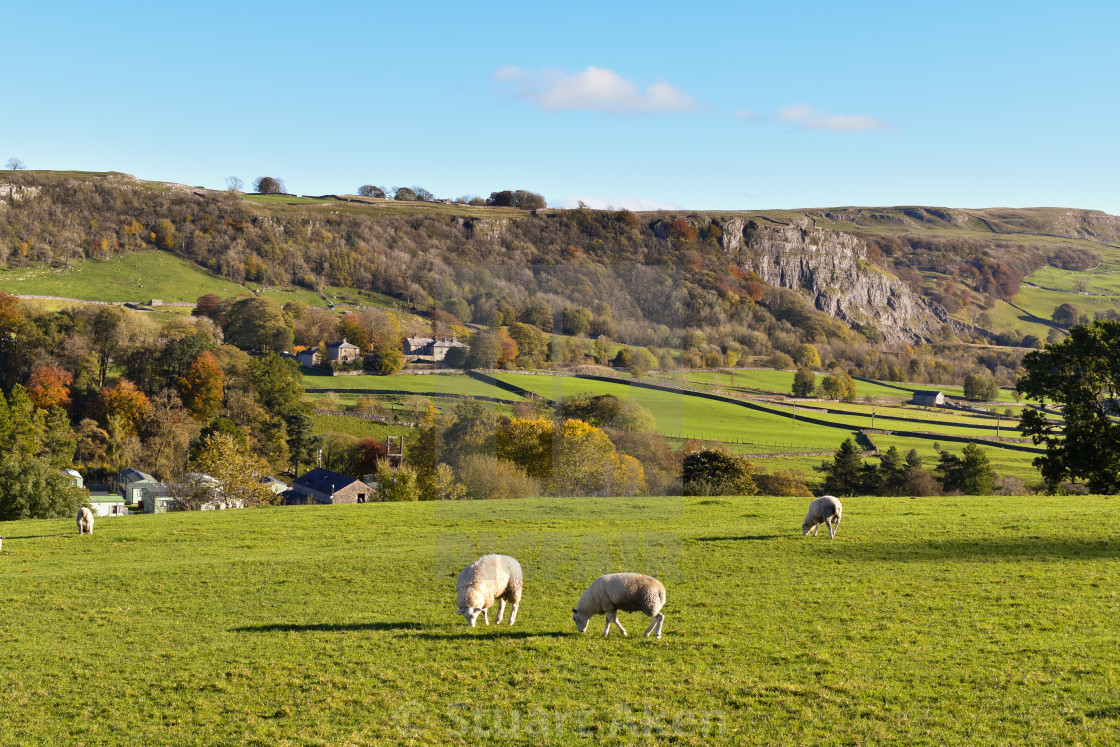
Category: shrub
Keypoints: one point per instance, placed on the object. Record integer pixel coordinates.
(484, 476)
(396, 483)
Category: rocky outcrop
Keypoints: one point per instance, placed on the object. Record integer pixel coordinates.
(732, 239)
(485, 228)
(15, 193)
(832, 268)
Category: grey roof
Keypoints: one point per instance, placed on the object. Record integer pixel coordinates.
(342, 344)
(131, 474)
(325, 481)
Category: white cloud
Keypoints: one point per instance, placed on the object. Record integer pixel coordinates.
(594, 89)
(629, 203)
(795, 113)
(806, 117)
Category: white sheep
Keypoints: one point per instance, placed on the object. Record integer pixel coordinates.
(85, 521)
(486, 579)
(824, 510)
(625, 592)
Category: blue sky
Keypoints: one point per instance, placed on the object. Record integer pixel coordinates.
(735, 105)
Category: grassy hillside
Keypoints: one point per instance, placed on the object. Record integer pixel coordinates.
(138, 276)
(956, 621)
(143, 275)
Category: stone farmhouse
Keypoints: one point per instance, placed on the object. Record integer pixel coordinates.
(326, 487)
(427, 349)
(337, 352)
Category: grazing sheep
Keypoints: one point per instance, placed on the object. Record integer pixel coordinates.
(824, 510)
(626, 592)
(486, 579)
(85, 521)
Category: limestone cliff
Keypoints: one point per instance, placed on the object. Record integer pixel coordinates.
(832, 268)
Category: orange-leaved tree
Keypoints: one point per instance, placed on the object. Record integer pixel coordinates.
(201, 384)
(49, 387)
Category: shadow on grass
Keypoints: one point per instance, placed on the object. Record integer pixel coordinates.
(991, 550)
(34, 536)
(745, 538)
(467, 633)
(1109, 712)
(326, 627)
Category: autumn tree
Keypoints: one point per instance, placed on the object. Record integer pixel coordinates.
(370, 190)
(166, 435)
(200, 386)
(586, 462)
(207, 305)
(126, 403)
(806, 356)
(839, 386)
(528, 443)
(238, 473)
(396, 483)
(532, 348)
(50, 387)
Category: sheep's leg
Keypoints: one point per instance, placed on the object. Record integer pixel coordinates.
(513, 613)
(655, 625)
(815, 528)
(501, 611)
(485, 615)
(607, 630)
(616, 622)
(832, 529)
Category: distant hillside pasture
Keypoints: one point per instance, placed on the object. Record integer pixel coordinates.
(418, 383)
(143, 275)
(689, 417)
(953, 620)
(137, 276)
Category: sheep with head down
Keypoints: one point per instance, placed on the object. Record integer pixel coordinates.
(85, 521)
(490, 578)
(824, 510)
(621, 592)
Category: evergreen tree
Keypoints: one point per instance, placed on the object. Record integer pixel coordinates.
(948, 469)
(844, 474)
(976, 472)
(892, 473)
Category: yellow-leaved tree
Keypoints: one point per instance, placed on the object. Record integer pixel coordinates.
(237, 472)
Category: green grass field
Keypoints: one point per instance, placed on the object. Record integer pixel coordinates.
(359, 427)
(684, 416)
(949, 621)
(137, 276)
(420, 384)
(144, 275)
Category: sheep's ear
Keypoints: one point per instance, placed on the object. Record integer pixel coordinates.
(573, 610)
